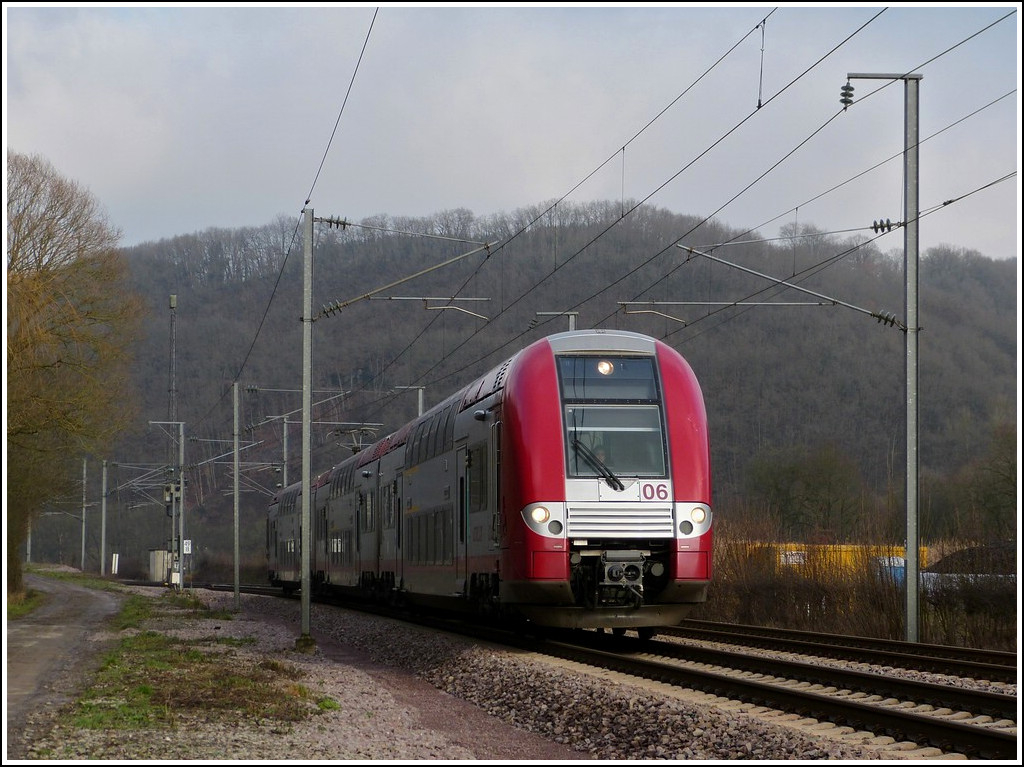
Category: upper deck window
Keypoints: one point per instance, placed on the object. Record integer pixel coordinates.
(604, 379)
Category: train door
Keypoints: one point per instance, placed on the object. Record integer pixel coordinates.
(378, 508)
(494, 485)
(369, 537)
(321, 548)
(397, 518)
(461, 519)
(272, 546)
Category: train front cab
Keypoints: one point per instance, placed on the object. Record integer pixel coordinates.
(606, 481)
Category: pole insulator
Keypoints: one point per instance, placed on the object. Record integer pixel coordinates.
(886, 318)
(847, 96)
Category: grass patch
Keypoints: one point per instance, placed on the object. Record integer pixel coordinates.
(328, 704)
(151, 680)
(79, 578)
(187, 604)
(20, 605)
(134, 612)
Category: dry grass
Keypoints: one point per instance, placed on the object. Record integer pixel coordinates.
(850, 597)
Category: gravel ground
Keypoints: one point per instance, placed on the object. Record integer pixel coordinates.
(408, 694)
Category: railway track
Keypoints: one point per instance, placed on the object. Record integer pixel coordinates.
(964, 662)
(949, 717)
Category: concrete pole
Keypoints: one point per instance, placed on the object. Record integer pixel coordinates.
(103, 524)
(911, 173)
(284, 465)
(238, 603)
(181, 506)
(305, 641)
(83, 514)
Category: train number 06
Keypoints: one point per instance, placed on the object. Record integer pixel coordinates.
(654, 491)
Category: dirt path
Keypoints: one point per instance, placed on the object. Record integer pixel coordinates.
(49, 652)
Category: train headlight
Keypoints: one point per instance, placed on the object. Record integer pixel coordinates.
(605, 367)
(698, 514)
(545, 519)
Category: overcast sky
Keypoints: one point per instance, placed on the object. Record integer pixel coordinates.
(183, 118)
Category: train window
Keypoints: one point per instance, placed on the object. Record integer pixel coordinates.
(628, 439)
(421, 441)
(389, 506)
(449, 427)
(443, 546)
(630, 379)
(289, 502)
(410, 448)
(366, 501)
(338, 482)
(478, 477)
(435, 437)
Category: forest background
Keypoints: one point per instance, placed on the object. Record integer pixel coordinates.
(805, 398)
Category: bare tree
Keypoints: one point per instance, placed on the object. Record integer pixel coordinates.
(70, 324)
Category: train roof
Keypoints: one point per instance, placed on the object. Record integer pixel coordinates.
(586, 340)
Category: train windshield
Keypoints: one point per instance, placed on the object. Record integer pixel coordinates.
(612, 416)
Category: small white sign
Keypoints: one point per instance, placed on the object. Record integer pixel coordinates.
(187, 549)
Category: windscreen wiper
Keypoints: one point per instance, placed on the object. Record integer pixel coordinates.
(588, 455)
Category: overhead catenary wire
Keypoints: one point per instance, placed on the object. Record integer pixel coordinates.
(823, 264)
(341, 110)
(434, 368)
(897, 155)
(479, 359)
(674, 176)
(503, 245)
(813, 270)
(295, 231)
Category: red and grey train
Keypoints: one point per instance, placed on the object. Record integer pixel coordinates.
(569, 486)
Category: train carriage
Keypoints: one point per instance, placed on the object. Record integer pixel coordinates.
(570, 486)
(283, 538)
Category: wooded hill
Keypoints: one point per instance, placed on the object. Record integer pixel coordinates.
(806, 402)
